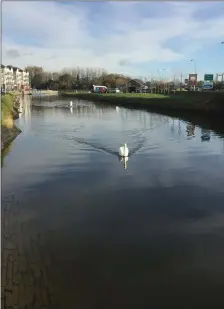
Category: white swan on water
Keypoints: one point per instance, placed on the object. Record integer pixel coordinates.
(71, 103)
(123, 151)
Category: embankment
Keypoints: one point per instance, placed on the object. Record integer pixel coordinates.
(202, 109)
(9, 112)
(43, 92)
(210, 103)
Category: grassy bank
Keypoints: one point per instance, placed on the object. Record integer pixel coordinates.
(9, 112)
(197, 102)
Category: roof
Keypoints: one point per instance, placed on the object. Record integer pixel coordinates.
(138, 81)
(14, 68)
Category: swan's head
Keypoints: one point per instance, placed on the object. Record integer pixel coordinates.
(125, 145)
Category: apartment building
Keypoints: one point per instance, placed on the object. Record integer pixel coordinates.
(13, 78)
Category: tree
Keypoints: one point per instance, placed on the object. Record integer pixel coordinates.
(33, 70)
(39, 80)
(200, 83)
(65, 81)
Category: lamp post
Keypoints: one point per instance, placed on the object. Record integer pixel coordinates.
(193, 61)
(151, 80)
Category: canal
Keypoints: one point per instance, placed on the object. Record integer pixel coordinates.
(84, 230)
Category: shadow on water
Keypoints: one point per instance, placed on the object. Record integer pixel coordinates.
(215, 124)
(5, 152)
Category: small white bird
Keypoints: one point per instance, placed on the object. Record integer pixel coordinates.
(71, 103)
(123, 151)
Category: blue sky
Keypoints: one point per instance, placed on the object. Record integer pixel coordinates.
(141, 39)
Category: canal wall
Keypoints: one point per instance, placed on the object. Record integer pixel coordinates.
(43, 92)
(9, 112)
(210, 103)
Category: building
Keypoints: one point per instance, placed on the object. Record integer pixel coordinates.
(13, 78)
(7, 80)
(135, 85)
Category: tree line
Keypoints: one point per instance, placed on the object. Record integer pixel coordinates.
(74, 78)
(83, 78)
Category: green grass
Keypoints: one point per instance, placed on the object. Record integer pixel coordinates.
(7, 110)
(128, 97)
(146, 95)
(14, 93)
(137, 95)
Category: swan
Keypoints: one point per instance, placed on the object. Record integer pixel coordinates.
(123, 151)
(71, 103)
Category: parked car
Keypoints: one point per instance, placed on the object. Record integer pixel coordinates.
(114, 90)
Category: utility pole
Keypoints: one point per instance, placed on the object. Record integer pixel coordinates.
(151, 84)
(181, 79)
(193, 61)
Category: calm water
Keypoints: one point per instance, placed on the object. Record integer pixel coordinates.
(93, 234)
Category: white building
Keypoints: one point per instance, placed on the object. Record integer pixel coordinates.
(13, 78)
(7, 79)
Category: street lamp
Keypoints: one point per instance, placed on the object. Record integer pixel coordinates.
(192, 60)
(160, 73)
(151, 80)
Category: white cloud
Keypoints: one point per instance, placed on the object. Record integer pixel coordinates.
(55, 36)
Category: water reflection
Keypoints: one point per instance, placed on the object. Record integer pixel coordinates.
(205, 135)
(25, 113)
(190, 130)
(124, 160)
